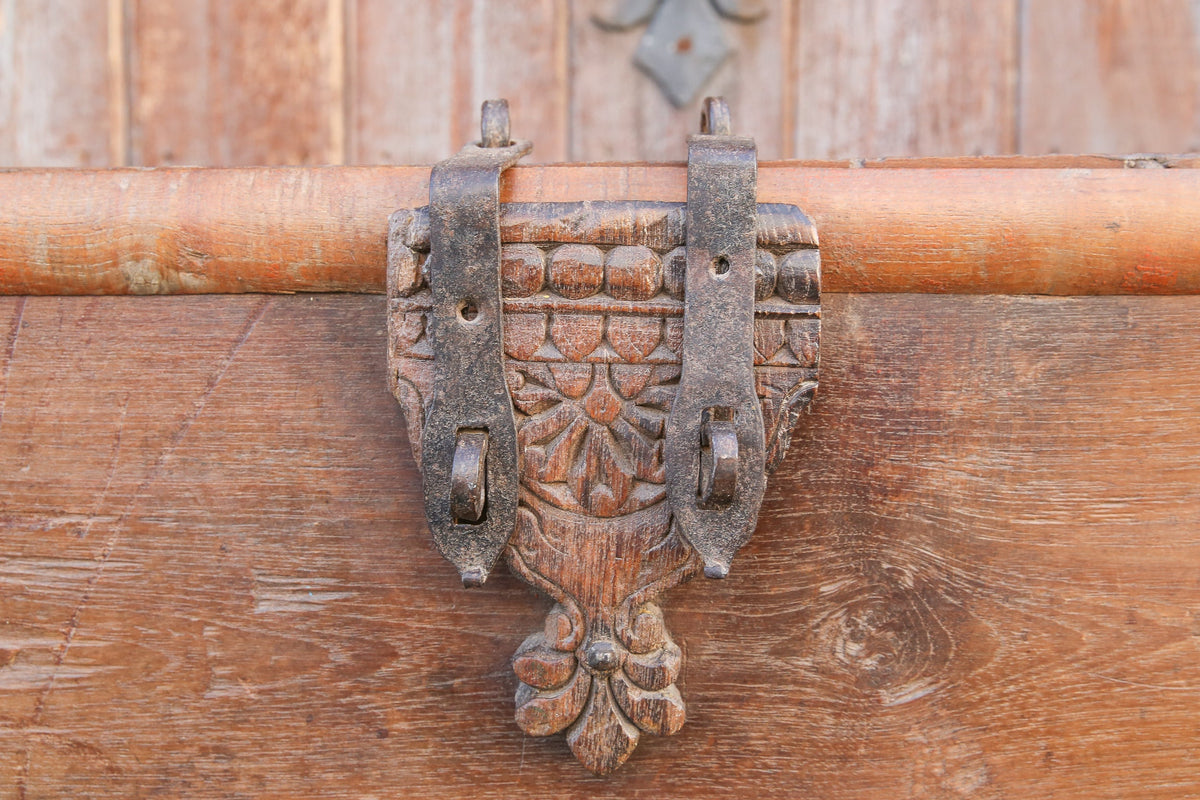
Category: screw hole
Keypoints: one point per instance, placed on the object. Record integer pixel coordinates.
(720, 266)
(468, 311)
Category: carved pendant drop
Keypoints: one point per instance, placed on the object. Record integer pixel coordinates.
(647, 402)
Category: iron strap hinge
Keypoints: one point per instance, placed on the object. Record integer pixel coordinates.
(714, 447)
(469, 456)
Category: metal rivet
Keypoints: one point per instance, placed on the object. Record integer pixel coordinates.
(602, 656)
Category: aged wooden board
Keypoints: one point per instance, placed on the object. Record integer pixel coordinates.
(62, 99)
(419, 70)
(929, 78)
(400, 81)
(1110, 76)
(235, 83)
(975, 573)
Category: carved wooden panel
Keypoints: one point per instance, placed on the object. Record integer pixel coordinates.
(593, 302)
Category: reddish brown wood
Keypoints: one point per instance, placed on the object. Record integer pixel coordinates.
(61, 84)
(619, 113)
(1013, 231)
(419, 102)
(917, 78)
(215, 579)
(1110, 76)
(166, 81)
(236, 83)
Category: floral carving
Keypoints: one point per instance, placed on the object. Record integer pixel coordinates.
(604, 668)
(592, 365)
(592, 433)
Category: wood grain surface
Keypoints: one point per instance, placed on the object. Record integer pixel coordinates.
(235, 83)
(1110, 76)
(929, 229)
(974, 574)
(930, 78)
(153, 82)
(420, 70)
(61, 92)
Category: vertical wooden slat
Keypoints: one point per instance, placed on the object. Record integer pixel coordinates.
(519, 53)
(423, 69)
(401, 104)
(1111, 76)
(225, 83)
(619, 114)
(54, 83)
(118, 84)
(889, 78)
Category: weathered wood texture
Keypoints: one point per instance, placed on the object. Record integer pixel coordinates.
(1014, 231)
(236, 83)
(974, 575)
(420, 71)
(617, 112)
(931, 78)
(61, 94)
(1110, 76)
(150, 82)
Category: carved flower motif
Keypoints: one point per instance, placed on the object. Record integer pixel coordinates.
(592, 433)
(604, 694)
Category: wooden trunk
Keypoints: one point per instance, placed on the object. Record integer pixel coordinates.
(975, 573)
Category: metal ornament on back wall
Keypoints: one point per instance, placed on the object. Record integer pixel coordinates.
(636, 450)
(685, 42)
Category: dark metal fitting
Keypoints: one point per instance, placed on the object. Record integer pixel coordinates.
(618, 313)
(718, 463)
(715, 119)
(462, 475)
(468, 477)
(721, 453)
(493, 124)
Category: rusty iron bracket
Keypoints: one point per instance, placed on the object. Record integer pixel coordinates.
(597, 390)
(715, 446)
(469, 453)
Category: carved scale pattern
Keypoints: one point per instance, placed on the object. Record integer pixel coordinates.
(592, 329)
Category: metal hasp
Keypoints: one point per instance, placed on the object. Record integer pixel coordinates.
(715, 447)
(652, 357)
(469, 459)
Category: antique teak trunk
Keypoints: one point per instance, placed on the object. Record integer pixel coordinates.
(733, 476)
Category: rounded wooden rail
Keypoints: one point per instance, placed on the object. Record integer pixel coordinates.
(1056, 226)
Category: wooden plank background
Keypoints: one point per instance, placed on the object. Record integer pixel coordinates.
(976, 573)
(223, 83)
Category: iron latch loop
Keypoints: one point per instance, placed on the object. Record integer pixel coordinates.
(469, 455)
(714, 446)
